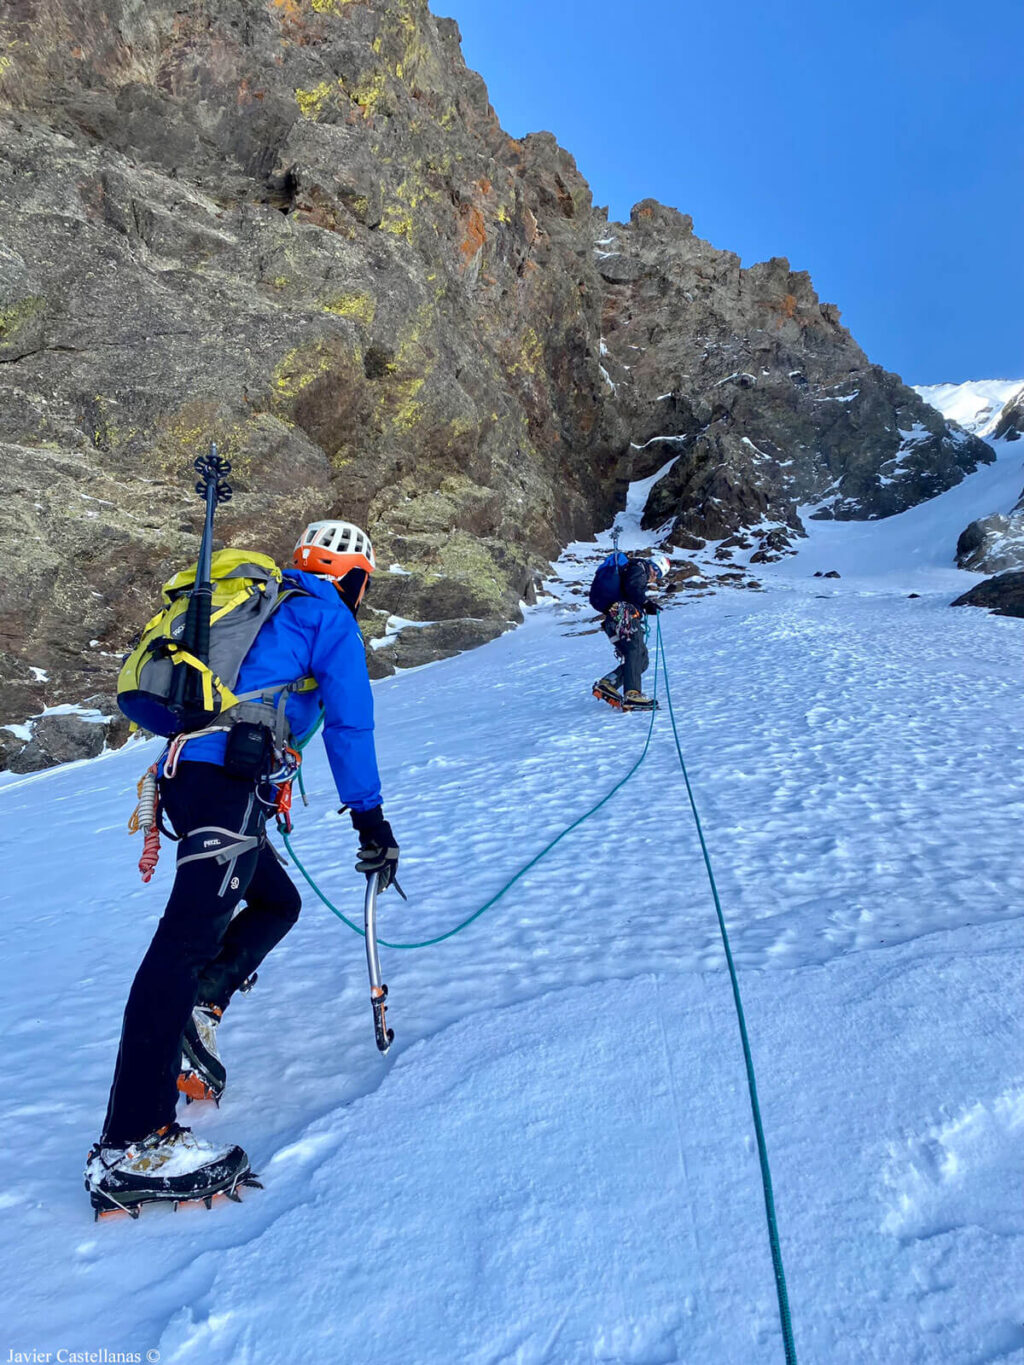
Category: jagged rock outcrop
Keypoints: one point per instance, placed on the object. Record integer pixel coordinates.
(764, 396)
(995, 544)
(297, 228)
(1002, 595)
(1010, 426)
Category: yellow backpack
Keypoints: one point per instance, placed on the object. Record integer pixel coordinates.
(246, 592)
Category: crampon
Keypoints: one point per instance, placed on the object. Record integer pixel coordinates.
(604, 691)
(195, 1087)
(105, 1206)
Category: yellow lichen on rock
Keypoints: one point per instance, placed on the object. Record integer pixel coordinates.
(531, 353)
(398, 222)
(400, 216)
(362, 307)
(15, 317)
(406, 412)
(368, 91)
(297, 370)
(313, 102)
(462, 556)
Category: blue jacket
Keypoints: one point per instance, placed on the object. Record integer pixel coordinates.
(314, 636)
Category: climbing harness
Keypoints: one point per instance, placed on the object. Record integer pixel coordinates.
(625, 619)
(174, 748)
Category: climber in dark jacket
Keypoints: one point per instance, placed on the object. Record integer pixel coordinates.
(622, 625)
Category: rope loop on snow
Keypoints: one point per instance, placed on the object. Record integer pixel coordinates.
(502, 891)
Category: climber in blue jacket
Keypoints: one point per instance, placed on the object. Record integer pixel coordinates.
(217, 802)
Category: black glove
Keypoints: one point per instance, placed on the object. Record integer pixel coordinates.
(378, 849)
(651, 608)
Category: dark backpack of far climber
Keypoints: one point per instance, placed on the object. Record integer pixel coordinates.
(606, 588)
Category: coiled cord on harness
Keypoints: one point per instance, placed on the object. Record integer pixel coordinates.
(146, 817)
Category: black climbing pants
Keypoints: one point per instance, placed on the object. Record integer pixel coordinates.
(202, 950)
(632, 652)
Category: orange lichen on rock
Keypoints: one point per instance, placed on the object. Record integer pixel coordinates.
(476, 232)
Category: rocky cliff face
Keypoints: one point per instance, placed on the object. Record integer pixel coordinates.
(296, 227)
(760, 391)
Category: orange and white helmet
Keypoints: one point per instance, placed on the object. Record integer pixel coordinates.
(332, 548)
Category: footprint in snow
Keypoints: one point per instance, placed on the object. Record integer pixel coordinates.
(959, 1173)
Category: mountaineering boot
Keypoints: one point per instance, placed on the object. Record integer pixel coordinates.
(203, 1076)
(636, 701)
(605, 690)
(169, 1166)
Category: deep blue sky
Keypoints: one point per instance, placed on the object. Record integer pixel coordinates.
(879, 145)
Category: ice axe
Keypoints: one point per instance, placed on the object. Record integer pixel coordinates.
(214, 488)
(378, 991)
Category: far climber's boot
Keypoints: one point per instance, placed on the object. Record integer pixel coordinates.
(636, 701)
(605, 690)
(203, 1076)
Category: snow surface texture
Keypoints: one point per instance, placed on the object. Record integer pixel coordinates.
(556, 1161)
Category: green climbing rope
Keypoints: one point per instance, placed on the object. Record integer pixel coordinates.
(502, 891)
(762, 1148)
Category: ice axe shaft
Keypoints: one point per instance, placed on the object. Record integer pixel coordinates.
(378, 991)
(213, 488)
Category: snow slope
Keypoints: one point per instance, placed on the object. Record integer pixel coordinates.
(974, 404)
(556, 1161)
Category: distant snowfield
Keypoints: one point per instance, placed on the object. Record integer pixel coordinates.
(915, 550)
(974, 404)
(556, 1162)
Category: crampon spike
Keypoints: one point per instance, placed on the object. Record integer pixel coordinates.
(230, 1192)
(131, 1210)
